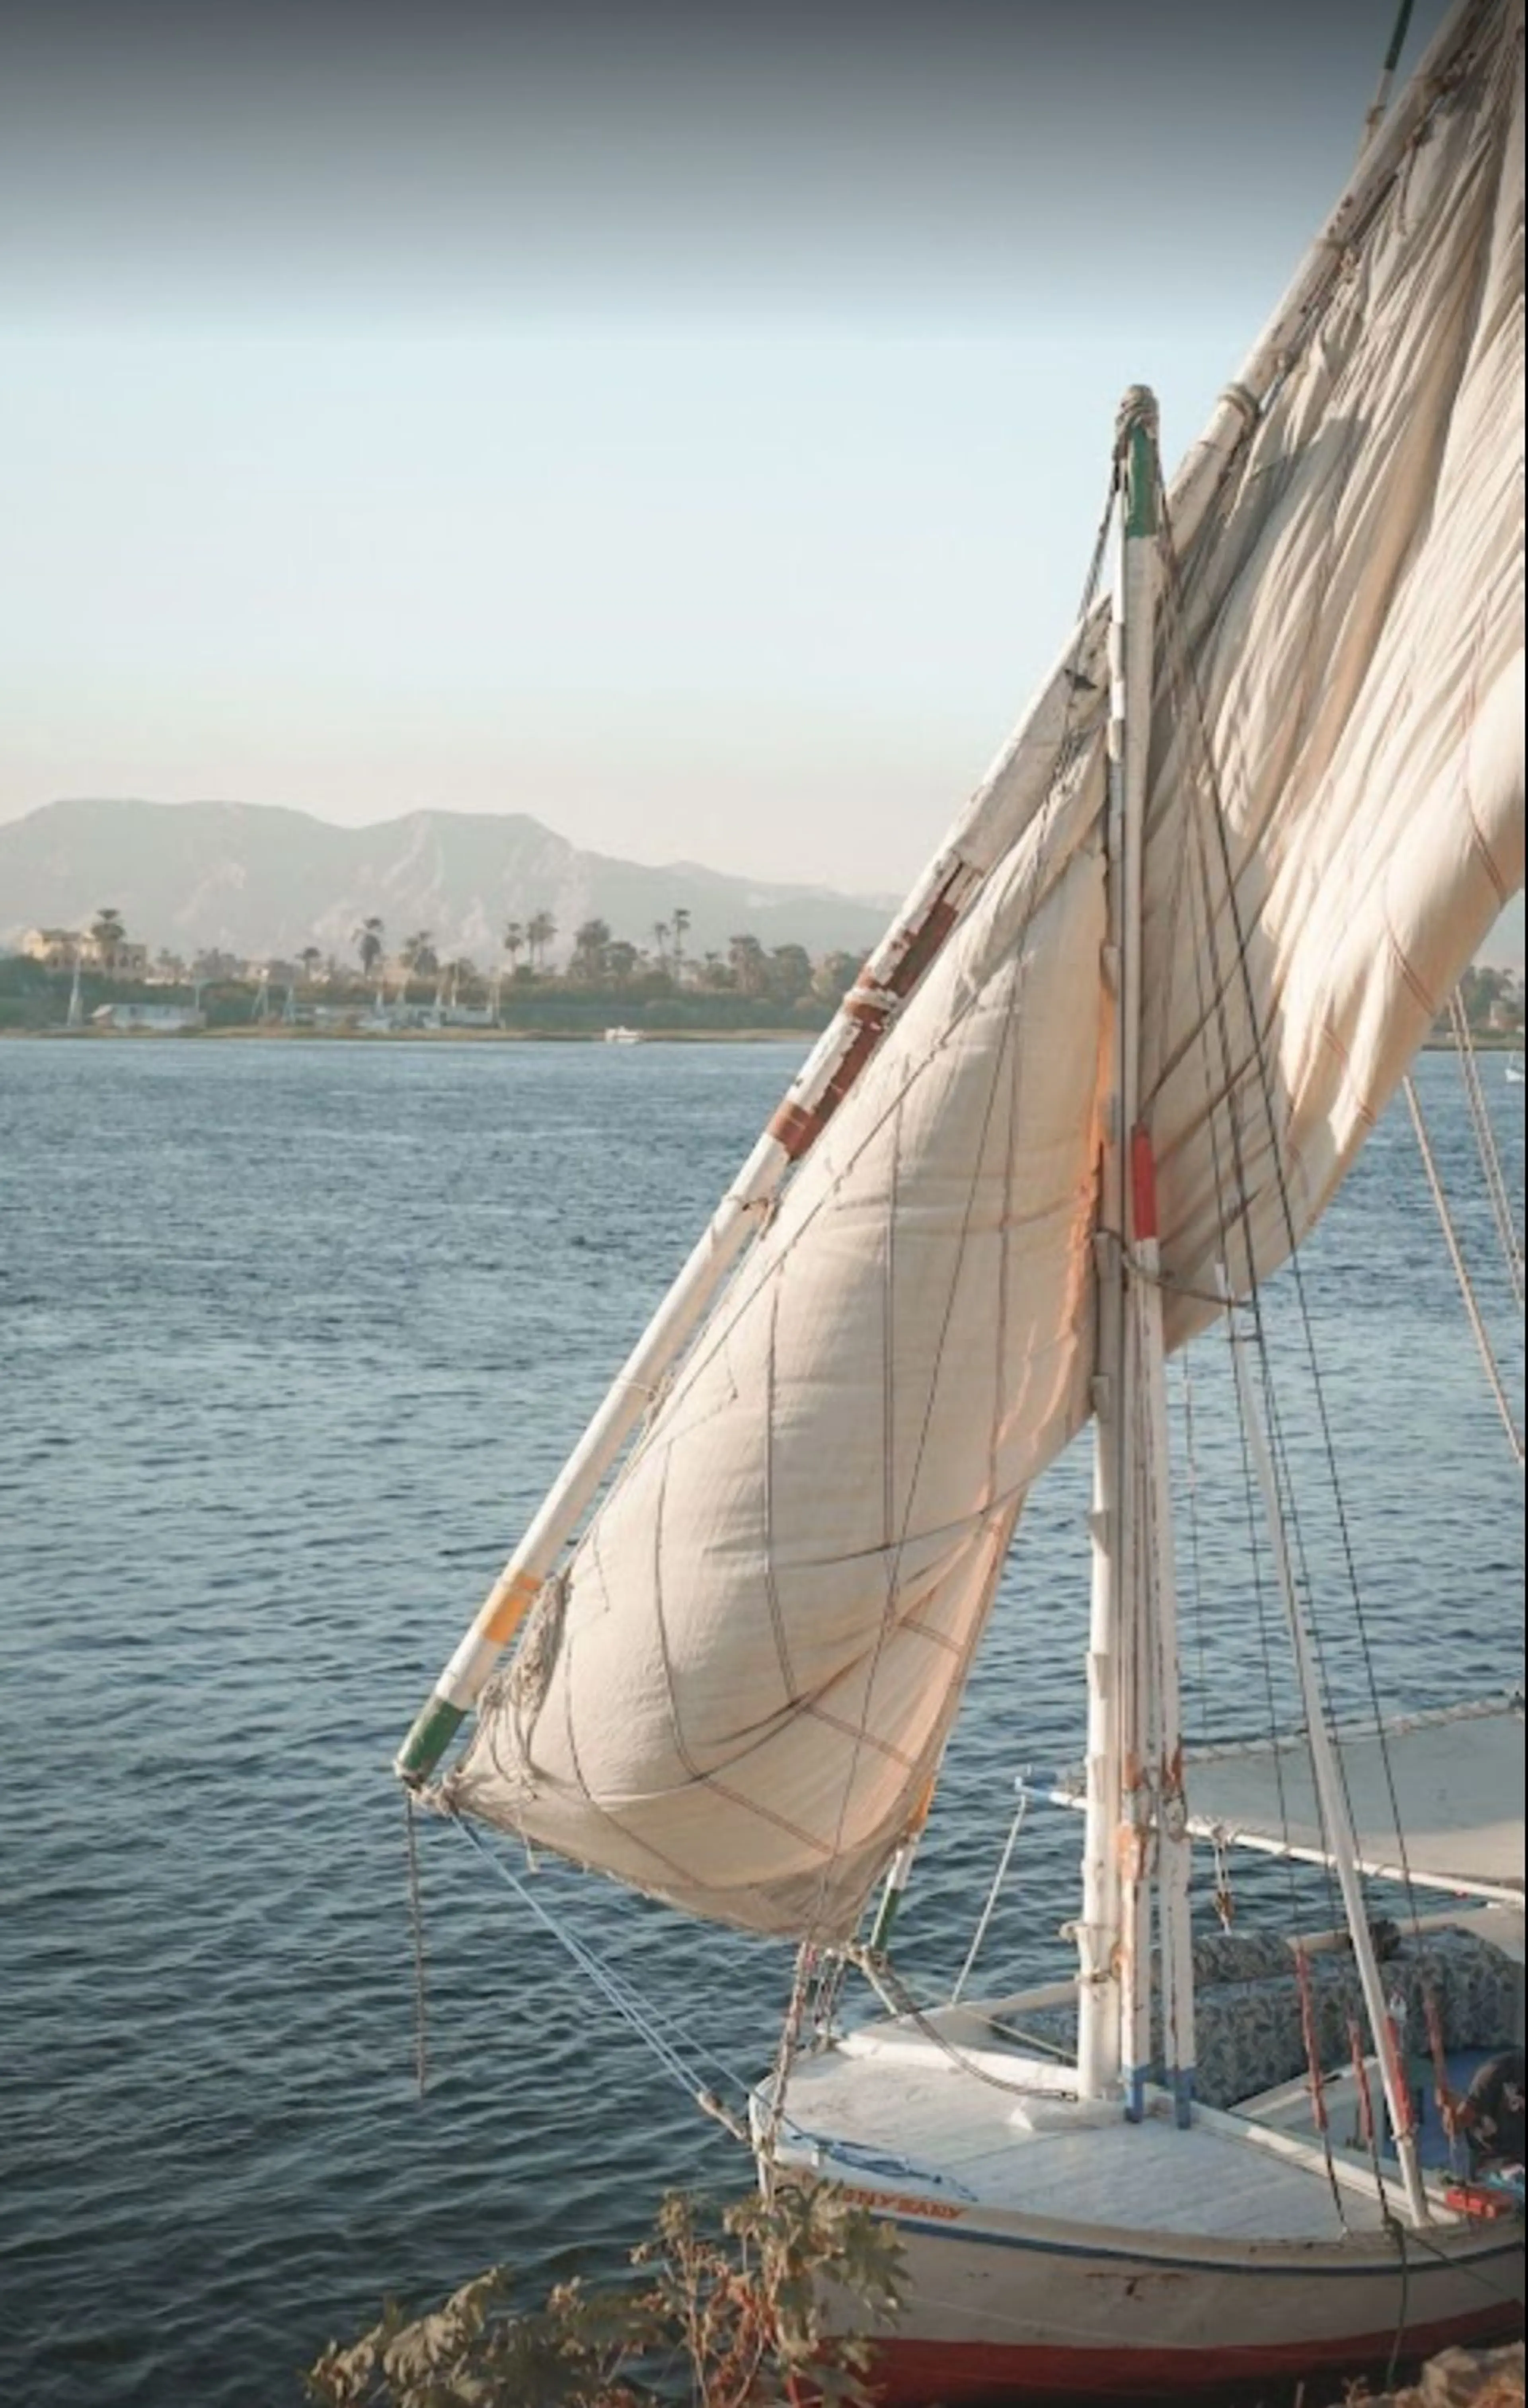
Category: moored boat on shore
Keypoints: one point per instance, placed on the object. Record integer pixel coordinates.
(1093, 1090)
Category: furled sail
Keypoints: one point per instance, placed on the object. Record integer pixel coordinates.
(1436, 1797)
(736, 1694)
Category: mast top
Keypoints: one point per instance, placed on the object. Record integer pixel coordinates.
(1137, 413)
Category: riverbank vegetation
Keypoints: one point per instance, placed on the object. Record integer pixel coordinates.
(725, 2308)
(598, 980)
(99, 977)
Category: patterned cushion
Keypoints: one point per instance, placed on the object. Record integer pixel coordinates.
(1249, 2029)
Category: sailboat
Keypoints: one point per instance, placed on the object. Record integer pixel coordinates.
(1096, 1084)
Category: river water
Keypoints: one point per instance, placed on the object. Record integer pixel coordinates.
(295, 1335)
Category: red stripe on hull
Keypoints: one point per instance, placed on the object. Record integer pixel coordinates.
(974, 2374)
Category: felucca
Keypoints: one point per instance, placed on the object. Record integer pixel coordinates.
(1094, 1086)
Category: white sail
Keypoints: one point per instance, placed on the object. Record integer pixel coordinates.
(737, 1694)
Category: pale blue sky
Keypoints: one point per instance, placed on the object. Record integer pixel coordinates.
(712, 475)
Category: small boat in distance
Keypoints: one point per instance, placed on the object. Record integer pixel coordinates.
(623, 1037)
(1515, 1073)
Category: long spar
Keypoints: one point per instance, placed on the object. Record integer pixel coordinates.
(1014, 789)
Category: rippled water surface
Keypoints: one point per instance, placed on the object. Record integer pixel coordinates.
(295, 1335)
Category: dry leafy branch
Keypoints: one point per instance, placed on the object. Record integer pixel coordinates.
(739, 2312)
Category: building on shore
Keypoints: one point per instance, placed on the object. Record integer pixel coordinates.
(67, 949)
(150, 1019)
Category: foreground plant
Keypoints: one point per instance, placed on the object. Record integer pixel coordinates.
(729, 2313)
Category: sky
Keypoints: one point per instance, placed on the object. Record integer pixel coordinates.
(689, 426)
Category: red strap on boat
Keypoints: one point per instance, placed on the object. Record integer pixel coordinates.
(1440, 2055)
(1400, 2087)
(1308, 2026)
(1143, 1165)
(1366, 2097)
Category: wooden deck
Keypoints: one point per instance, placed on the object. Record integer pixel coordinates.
(899, 2106)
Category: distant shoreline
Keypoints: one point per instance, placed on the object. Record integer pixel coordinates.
(276, 1033)
(255, 1035)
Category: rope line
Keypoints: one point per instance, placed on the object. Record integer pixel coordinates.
(416, 1928)
(1462, 2266)
(1214, 1013)
(895, 1994)
(644, 2020)
(990, 1908)
(1485, 1138)
(1462, 1272)
(1263, 1071)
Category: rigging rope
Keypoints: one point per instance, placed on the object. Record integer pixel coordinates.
(1510, 2295)
(997, 1880)
(1461, 1270)
(1214, 1014)
(1196, 1575)
(416, 1926)
(894, 1992)
(644, 2019)
(791, 2041)
(1485, 1137)
(1263, 1071)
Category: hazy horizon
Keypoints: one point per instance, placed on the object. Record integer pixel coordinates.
(690, 431)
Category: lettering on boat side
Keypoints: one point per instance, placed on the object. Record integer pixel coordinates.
(943, 2210)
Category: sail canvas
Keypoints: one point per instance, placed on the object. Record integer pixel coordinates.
(736, 1692)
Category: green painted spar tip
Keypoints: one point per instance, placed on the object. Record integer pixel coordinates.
(1136, 438)
(1141, 514)
(434, 1730)
(879, 1938)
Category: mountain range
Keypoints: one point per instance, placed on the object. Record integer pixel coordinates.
(261, 882)
(258, 882)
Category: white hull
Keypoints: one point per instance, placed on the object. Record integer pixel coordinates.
(1055, 2251)
(1016, 2307)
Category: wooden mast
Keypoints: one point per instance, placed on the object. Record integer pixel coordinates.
(1110, 2005)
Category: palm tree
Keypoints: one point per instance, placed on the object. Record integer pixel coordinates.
(747, 959)
(620, 961)
(660, 938)
(309, 957)
(368, 943)
(591, 943)
(108, 930)
(681, 922)
(789, 973)
(513, 941)
(418, 954)
(539, 932)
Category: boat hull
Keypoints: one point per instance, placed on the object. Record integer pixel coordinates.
(1000, 2316)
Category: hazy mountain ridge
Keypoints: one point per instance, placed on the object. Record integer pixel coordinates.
(259, 879)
